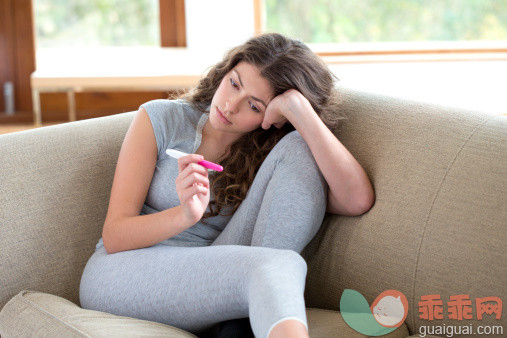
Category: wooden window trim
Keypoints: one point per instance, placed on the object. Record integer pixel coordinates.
(17, 48)
(172, 23)
(259, 16)
(427, 51)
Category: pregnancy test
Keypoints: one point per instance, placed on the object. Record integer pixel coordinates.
(206, 164)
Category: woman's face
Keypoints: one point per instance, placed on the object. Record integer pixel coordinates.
(241, 98)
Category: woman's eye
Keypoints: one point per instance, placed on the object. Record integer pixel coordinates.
(254, 108)
(234, 83)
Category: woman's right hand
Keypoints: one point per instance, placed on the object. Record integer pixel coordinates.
(192, 181)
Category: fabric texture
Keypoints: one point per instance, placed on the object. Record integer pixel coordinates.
(438, 222)
(40, 314)
(52, 316)
(55, 184)
(252, 269)
(327, 323)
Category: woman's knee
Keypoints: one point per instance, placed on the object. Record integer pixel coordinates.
(292, 145)
(282, 261)
(292, 150)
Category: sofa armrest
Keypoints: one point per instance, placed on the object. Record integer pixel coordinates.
(55, 185)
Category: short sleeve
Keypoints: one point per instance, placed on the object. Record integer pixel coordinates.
(165, 116)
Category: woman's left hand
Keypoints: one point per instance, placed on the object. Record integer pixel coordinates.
(283, 108)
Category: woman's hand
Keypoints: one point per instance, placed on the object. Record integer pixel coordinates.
(192, 186)
(285, 107)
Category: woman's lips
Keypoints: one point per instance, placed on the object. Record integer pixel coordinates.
(222, 117)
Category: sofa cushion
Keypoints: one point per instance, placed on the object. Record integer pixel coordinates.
(31, 313)
(327, 324)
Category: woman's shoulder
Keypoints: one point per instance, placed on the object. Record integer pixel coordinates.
(174, 107)
(173, 114)
(165, 104)
(172, 120)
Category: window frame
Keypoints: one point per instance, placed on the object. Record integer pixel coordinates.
(396, 51)
(17, 25)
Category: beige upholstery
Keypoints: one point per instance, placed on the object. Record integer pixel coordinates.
(437, 226)
(53, 316)
(328, 323)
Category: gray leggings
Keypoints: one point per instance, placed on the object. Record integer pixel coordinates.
(252, 269)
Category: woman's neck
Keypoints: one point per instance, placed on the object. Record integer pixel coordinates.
(221, 140)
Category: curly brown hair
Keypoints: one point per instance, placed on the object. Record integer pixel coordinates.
(286, 64)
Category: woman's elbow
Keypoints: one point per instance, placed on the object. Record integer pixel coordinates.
(351, 206)
(107, 242)
(366, 204)
(107, 245)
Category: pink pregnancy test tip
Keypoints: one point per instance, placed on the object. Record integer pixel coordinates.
(211, 165)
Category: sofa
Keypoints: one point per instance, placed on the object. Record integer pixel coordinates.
(437, 228)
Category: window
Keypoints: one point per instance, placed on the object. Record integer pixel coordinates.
(76, 38)
(76, 23)
(344, 21)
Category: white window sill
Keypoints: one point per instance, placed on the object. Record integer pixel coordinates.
(123, 61)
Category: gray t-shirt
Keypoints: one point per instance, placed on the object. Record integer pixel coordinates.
(177, 125)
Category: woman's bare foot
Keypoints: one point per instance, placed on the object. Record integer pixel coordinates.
(289, 328)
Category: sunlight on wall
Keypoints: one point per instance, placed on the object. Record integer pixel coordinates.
(475, 85)
(218, 24)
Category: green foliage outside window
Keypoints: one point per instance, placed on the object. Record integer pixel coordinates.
(96, 23)
(324, 21)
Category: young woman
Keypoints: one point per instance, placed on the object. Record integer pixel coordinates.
(170, 252)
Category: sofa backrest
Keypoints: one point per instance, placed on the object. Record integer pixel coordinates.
(438, 225)
(54, 192)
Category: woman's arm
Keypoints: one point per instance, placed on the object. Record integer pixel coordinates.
(350, 191)
(136, 232)
(124, 229)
